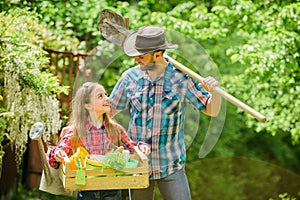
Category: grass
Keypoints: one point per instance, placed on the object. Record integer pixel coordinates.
(36, 194)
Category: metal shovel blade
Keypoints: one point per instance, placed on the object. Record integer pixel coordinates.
(113, 26)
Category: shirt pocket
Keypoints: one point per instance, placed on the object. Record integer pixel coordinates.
(135, 102)
(171, 103)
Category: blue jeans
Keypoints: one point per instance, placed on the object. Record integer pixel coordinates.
(99, 195)
(173, 187)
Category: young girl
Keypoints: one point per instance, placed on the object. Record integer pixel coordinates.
(92, 128)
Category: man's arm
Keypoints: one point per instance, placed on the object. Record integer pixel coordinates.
(213, 105)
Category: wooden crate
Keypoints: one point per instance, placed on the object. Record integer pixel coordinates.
(109, 179)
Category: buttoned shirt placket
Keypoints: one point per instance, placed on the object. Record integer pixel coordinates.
(153, 111)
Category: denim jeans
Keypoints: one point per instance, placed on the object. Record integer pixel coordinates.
(100, 195)
(173, 187)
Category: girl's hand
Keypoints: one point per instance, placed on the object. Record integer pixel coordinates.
(59, 155)
(144, 148)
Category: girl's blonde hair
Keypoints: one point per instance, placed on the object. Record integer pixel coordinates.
(80, 116)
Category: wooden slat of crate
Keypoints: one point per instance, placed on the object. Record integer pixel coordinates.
(108, 183)
(97, 179)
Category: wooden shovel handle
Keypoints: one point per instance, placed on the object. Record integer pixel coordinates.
(218, 90)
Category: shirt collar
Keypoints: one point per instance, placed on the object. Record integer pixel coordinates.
(89, 125)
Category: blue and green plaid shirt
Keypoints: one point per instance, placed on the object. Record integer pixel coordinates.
(157, 111)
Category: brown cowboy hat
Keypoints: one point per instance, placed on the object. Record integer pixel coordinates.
(145, 40)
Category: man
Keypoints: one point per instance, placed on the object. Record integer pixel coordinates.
(156, 94)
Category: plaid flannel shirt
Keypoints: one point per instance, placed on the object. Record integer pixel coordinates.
(157, 111)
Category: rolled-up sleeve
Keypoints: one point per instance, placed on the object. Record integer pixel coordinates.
(197, 95)
(64, 144)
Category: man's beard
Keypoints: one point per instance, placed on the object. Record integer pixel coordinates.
(148, 67)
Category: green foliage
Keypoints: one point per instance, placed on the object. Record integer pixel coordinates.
(36, 194)
(265, 47)
(72, 19)
(239, 178)
(78, 19)
(286, 196)
(271, 55)
(29, 92)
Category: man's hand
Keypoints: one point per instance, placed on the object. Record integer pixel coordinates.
(214, 103)
(209, 83)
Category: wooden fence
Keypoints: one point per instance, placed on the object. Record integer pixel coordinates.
(72, 70)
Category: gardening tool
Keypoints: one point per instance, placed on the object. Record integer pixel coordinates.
(50, 181)
(36, 133)
(114, 28)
